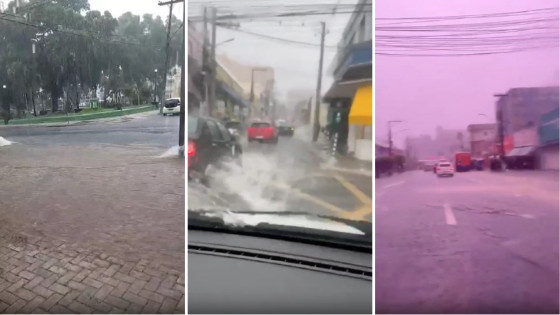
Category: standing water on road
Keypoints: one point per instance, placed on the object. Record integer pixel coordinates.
(472, 224)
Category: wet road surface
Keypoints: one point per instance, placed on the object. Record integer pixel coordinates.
(92, 218)
(288, 176)
(479, 242)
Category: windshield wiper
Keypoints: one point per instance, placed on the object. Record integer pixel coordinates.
(362, 242)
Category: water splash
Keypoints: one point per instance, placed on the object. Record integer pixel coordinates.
(4, 142)
(172, 152)
(254, 182)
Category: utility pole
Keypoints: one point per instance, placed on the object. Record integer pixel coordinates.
(205, 67)
(182, 106)
(318, 92)
(212, 102)
(500, 119)
(391, 135)
(166, 68)
(183, 99)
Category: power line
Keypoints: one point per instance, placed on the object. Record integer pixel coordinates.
(307, 44)
(553, 9)
(277, 15)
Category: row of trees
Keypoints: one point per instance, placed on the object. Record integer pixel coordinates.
(62, 48)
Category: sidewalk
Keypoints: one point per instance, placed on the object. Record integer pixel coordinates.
(93, 228)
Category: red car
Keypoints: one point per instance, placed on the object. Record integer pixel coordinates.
(262, 131)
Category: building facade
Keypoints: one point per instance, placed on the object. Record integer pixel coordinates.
(548, 135)
(482, 138)
(260, 78)
(349, 97)
(522, 108)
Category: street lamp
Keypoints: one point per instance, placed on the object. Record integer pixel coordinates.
(155, 84)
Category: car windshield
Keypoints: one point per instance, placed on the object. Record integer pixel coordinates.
(173, 102)
(92, 161)
(292, 157)
(260, 125)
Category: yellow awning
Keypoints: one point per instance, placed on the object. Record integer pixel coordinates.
(362, 107)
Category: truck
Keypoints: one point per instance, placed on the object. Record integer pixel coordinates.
(462, 161)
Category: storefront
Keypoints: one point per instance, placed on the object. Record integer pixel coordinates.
(360, 122)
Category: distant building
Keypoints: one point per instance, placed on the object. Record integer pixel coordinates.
(521, 108)
(549, 133)
(173, 85)
(483, 139)
(260, 78)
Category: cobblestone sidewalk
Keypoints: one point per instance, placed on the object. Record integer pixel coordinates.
(40, 276)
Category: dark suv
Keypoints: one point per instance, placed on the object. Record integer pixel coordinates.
(209, 144)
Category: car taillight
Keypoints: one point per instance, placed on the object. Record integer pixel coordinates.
(192, 149)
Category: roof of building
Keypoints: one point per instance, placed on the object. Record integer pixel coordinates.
(479, 127)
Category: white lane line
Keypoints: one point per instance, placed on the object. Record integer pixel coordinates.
(449, 217)
(393, 184)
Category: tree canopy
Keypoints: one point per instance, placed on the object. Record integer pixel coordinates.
(65, 50)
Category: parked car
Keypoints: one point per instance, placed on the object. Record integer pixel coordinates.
(444, 169)
(172, 106)
(284, 128)
(210, 143)
(262, 131)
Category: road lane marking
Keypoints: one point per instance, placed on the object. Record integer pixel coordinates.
(363, 198)
(474, 180)
(393, 184)
(358, 214)
(312, 199)
(449, 217)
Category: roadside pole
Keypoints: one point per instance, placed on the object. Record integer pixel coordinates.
(166, 68)
(204, 109)
(318, 92)
(212, 102)
(183, 99)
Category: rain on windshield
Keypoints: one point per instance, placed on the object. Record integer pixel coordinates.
(295, 150)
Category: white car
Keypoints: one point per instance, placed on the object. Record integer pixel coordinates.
(172, 106)
(445, 169)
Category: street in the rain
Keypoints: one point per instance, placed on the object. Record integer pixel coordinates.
(475, 242)
(93, 217)
(294, 175)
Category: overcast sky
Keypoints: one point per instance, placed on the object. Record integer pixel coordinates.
(138, 7)
(295, 66)
(452, 91)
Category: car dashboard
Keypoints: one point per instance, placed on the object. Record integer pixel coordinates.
(241, 274)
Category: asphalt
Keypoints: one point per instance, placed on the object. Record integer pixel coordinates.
(148, 129)
(291, 175)
(478, 242)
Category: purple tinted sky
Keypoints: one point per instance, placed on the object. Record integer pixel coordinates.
(425, 92)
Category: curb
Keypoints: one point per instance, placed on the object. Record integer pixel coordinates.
(73, 120)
